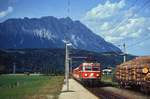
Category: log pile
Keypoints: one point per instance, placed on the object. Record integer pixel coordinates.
(137, 69)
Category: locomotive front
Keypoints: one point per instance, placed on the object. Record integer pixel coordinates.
(90, 72)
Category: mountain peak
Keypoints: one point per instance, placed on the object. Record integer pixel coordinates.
(68, 19)
(50, 32)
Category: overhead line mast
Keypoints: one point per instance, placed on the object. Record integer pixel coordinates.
(68, 9)
(67, 44)
(124, 52)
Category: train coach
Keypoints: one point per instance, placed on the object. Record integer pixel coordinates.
(88, 73)
(135, 73)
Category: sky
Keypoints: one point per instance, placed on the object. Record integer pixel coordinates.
(117, 21)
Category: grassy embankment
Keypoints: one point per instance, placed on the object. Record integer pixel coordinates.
(30, 87)
(109, 79)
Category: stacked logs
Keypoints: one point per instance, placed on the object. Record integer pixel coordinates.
(135, 70)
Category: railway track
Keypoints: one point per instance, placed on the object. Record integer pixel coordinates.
(108, 91)
(116, 93)
(103, 94)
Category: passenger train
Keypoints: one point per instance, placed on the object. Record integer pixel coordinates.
(88, 73)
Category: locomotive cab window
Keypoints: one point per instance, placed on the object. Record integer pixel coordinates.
(95, 68)
(87, 68)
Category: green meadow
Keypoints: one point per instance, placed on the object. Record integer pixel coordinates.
(29, 87)
(109, 79)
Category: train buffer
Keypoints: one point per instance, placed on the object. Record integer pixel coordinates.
(76, 91)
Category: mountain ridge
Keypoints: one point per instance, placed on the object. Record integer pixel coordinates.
(50, 32)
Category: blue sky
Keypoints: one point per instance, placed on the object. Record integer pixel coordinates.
(117, 21)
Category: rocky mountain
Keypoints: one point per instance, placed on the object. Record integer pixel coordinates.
(50, 32)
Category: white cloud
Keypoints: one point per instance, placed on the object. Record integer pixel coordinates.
(116, 21)
(113, 38)
(105, 26)
(6, 12)
(103, 11)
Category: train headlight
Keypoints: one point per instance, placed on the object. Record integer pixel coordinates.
(145, 70)
(97, 74)
(86, 75)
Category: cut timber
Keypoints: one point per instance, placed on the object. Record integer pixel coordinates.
(137, 71)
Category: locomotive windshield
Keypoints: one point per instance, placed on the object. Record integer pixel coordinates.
(95, 68)
(87, 68)
(90, 68)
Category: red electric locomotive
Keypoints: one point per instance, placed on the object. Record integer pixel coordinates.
(88, 73)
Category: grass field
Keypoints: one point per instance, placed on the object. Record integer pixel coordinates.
(30, 87)
(109, 79)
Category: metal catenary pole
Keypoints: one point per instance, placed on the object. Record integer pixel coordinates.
(67, 68)
(124, 56)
